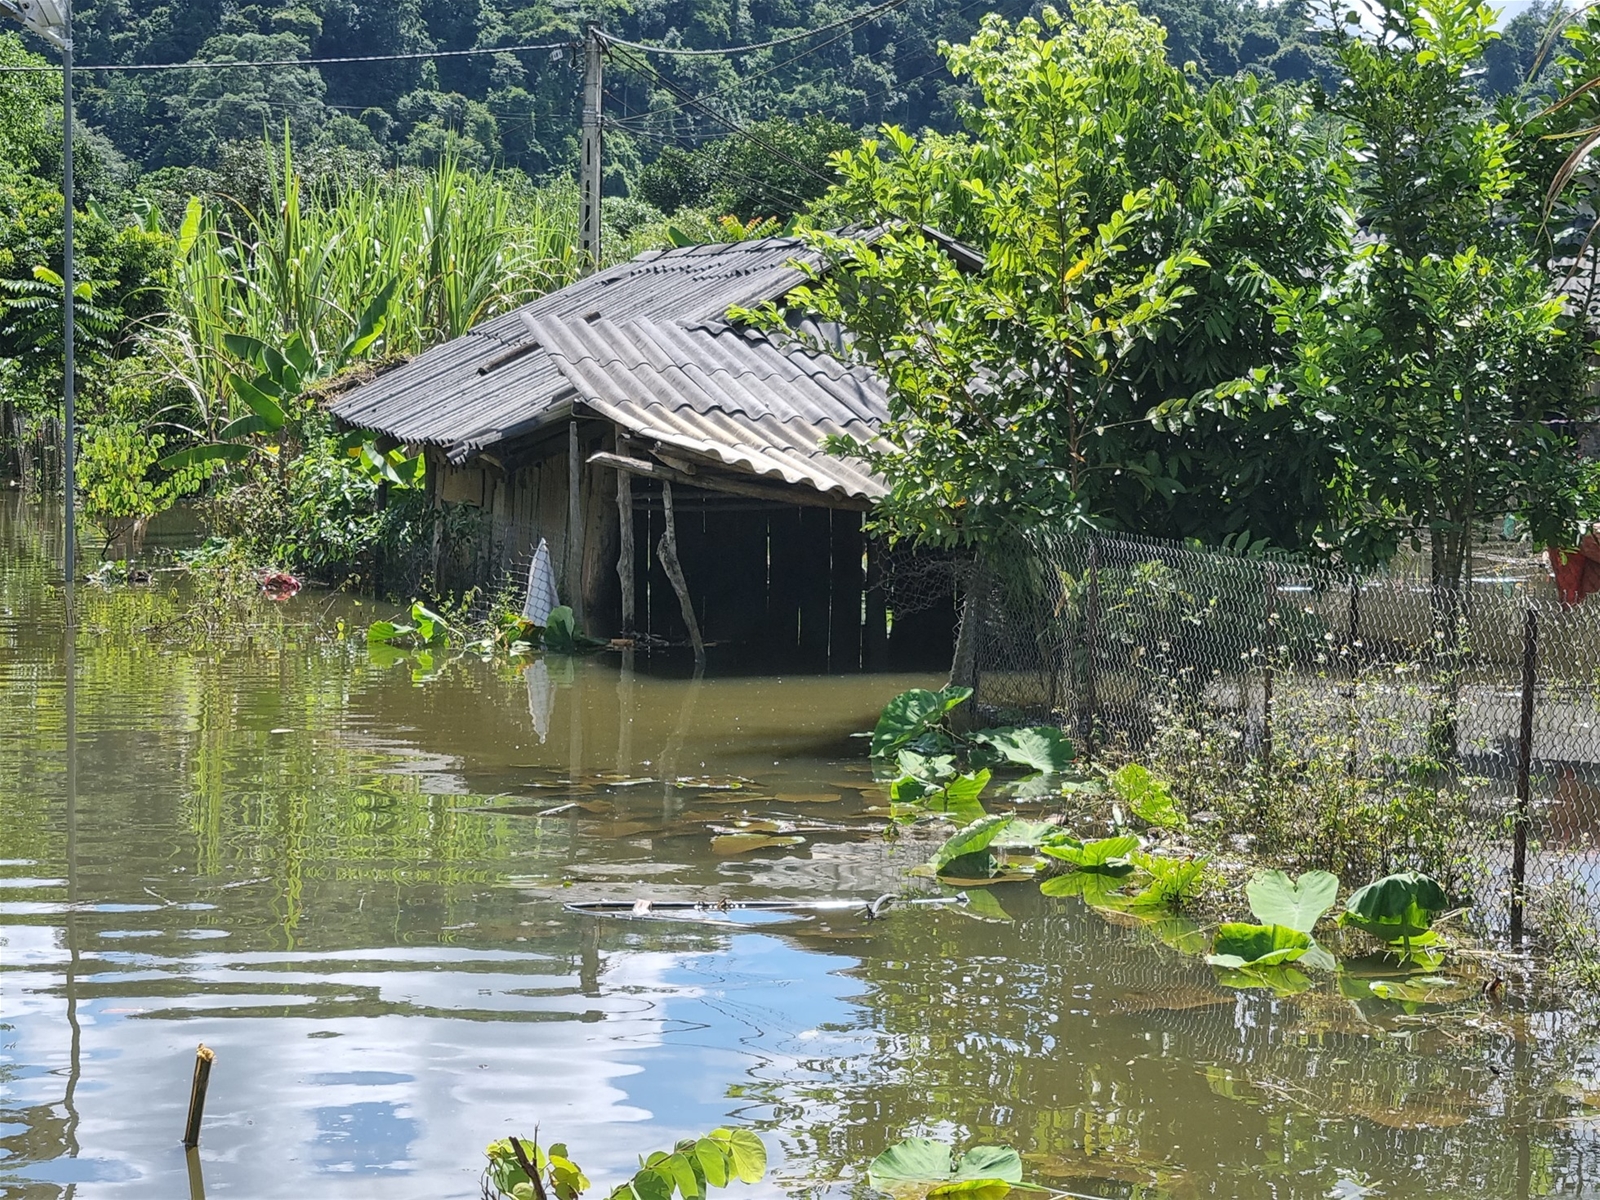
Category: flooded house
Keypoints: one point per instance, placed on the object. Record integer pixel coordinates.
(673, 460)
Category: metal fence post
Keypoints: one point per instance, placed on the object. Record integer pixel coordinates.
(1089, 718)
(1266, 674)
(1519, 848)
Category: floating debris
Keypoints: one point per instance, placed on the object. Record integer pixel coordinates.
(743, 843)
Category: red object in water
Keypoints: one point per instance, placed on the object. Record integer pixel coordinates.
(279, 585)
(1577, 571)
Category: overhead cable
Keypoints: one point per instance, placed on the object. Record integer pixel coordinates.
(864, 14)
(227, 64)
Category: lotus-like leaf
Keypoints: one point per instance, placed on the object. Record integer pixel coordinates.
(1240, 945)
(1275, 899)
(1037, 747)
(1107, 856)
(1396, 908)
(911, 714)
(1147, 797)
(918, 1167)
(975, 838)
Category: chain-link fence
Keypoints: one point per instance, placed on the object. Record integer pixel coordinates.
(1360, 724)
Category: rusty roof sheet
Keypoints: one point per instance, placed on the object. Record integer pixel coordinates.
(724, 393)
(440, 397)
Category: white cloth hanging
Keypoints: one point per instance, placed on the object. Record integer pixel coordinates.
(541, 588)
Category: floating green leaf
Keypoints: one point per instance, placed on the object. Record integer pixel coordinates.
(1239, 945)
(974, 839)
(1275, 899)
(919, 1167)
(1106, 856)
(1173, 881)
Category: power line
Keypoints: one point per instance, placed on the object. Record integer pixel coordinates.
(724, 169)
(225, 64)
(734, 126)
(864, 14)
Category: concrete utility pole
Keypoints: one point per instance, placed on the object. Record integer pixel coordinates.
(52, 20)
(589, 174)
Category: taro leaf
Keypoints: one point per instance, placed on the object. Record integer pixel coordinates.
(560, 630)
(1396, 908)
(911, 714)
(981, 905)
(1032, 834)
(743, 843)
(1097, 889)
(1106, 856)
(1239, 944)
(1282, 979)
(430, 625)
(918, 1167)
(1172, 880)
(1294, 904)
(908, 790)
(1147, 797)
(1037, 747)
(971, 840)
(977, 867)
(959, 798)
(748, 1154)
(1182, 934)
(384, 632)
(930, 768)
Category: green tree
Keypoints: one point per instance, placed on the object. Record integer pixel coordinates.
(1439, 357)
(1127, 224)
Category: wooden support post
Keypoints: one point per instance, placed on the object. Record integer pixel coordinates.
(667, 552)
(572, 554)
(1519, 845)
(844, 612)
(877, 634)
(203, 1058)
(625, 537)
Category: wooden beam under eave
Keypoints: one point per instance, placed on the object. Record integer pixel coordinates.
(804, 497)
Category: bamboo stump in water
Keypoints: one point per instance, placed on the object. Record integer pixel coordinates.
(667, 552)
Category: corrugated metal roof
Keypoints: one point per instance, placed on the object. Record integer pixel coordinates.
(440, 398)
(728, 394)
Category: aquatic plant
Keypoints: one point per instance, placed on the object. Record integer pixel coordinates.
(521, 1170)
(919, 1168)
(1104, 856)
(1147, 798)
(1297, 904)
(1398, 909)
(425, 628)
(1174, 882)
(912, 715)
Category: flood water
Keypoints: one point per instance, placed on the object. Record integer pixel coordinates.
(332, 869)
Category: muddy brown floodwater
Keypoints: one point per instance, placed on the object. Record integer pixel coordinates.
(346, 875)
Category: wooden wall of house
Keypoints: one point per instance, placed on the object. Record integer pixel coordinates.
(773, 585)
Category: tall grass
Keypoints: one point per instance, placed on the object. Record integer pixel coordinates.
(461, 245)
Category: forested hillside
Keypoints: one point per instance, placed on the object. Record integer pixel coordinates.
(521, 108)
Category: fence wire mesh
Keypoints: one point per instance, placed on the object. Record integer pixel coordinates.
(1358, 724)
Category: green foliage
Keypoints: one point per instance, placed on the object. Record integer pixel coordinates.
(1174, 882)
(688, 1171)
(1147, 798)
(1296, 904)
(918, 1168)
(912, 714)
(424, 628)
(120, 482)
(1130, 222)
(744, 178)
(966, 852)
(1101, 856)
(1038, 748)
(1398, 909)
(1438, 356)
(1240, 945)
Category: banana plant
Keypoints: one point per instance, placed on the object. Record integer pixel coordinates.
(281, 378)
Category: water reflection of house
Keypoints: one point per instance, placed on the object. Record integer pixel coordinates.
(574, 418)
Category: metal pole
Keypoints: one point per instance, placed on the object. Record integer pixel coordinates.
(589, 175)
(1519, 846)
(1090, 717)
(1266, 673)
(69, 466)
